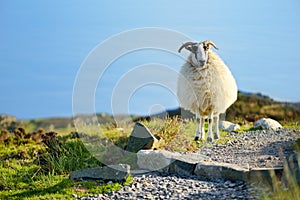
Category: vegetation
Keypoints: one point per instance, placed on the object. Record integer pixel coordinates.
(36, 156)
(250, 107)
(37, 166)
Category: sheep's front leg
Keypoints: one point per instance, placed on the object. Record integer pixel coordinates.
(210, 124)
(200, 127)
(216, 123)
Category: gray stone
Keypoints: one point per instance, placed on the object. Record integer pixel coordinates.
(267, 123)
(154, 160)
(107, 173)
(169, 162)
(228, 126)
(182, 168)
(141, 138)
(265, 176)
(293, 163)
(226, 171)
(185, 163)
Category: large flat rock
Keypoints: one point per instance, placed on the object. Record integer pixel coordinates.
(188, 164)
(169, 162)
(219, 170)
(107, 173)
(154, 160)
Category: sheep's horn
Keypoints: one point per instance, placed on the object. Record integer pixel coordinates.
(209, 42)
(185, 45)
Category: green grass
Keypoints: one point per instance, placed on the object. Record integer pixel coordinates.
(32, 169)
(36, 170)
(292, 125)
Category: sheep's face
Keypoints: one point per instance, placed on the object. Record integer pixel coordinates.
(199, 51)
(199, 54)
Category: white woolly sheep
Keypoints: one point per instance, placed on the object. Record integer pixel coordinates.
(206, 87)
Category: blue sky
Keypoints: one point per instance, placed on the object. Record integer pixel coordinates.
(44, 43)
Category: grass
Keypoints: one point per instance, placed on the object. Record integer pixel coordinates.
(36, 164)
(40, 170)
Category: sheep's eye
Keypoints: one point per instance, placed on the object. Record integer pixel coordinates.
(205, 48)
(195, 48)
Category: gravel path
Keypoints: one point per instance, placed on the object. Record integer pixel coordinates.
(250, 149)
(254, 148)
(158, 186)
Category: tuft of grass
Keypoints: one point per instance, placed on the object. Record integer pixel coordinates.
(176, 134)
(61, 158)
(292, 125)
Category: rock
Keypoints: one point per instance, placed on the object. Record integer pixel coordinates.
(264, 176)
(107, 173)
(169, 162)
(228, 126)
(226, 171)
(154, 160)
(293, 163)
(141, 138)
(182, 168)
(267, 123)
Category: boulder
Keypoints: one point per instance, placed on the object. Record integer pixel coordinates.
(267, 123)
(107, 173)
(141, 138)
(228, 126)
(212, 170)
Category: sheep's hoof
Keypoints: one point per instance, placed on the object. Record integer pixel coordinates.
(196, 138)
(216, 137)
(209, 139)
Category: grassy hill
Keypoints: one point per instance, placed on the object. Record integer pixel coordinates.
(248, 108)
(251, 107)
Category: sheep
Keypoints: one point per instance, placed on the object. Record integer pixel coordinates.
(205, 86)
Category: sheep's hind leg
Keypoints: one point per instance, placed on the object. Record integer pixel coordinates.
(216, 129)
(202, 131)
(209, 134)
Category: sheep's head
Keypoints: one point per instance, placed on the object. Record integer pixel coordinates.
(199, 51)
